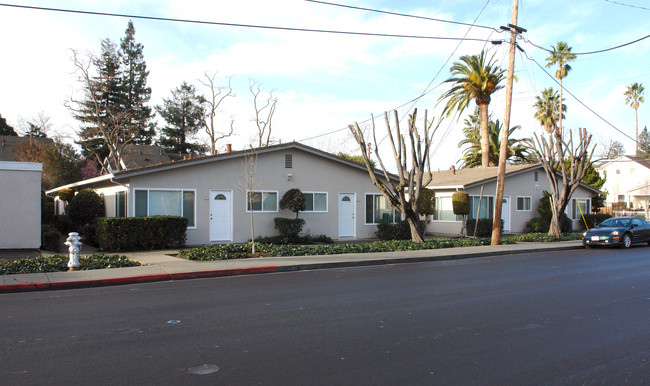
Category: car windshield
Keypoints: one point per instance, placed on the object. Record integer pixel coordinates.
(616, 222)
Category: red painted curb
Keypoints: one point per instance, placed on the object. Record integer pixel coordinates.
(111, 281)
(224, 272)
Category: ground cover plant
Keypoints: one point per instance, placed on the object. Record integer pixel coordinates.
(541, 237)
(59, 263)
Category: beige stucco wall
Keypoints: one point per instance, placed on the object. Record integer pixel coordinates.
(623, 175)
(309, 173)
(20, 206)
(516, 185)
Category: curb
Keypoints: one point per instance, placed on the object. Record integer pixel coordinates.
(43, 286)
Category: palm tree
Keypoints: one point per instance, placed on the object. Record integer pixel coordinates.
(560, 57)
(472, 157)
(548, 110)
(633, 97)
(474, 77)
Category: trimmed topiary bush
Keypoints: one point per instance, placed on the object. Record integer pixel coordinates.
(389, 231)
(595, 219)
(85, 207)
(460, 203)
(293, 200)
(289, 228)
(426, 202)
(141, 233)
(66, 194)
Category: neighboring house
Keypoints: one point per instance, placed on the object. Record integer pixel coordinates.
(138, 156)
(20, 207)
(8, 144)
(524, 187)
(342, 202)
(628, 181)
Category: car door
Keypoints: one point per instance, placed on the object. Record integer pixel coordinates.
(640, 230)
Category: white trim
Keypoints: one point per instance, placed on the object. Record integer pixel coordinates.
(373, 209)
(134, 189)
(21, 166)
(354, 213)
(327, 205)
(530, 199)
(232, 215)
(277, 201)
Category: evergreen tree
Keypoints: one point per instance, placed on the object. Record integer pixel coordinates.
(5, 129)
(644, 143)
(135, 93)
(183, 113)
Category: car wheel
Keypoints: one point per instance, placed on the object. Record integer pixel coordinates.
(626, 241)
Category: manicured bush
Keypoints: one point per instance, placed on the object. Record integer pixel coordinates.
(537, 225)
(141, 233)
(89, 233)
(541, 237)
(484, 228)
(460, 203)
(64, 224)
(397, 231)
(595, 219)
(426, 202)
(293, 200)
(59, 263)
(289, 227)
(306, 239)
(85, 207)
(66, 194)
(50, 239)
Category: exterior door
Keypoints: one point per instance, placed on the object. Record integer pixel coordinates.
(220, 215)
(505, 214)
(347, 214)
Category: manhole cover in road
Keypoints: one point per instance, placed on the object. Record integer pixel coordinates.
(203, 369)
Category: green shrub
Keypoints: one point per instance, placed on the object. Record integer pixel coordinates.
(426, 202)
(293, 200)
(141, 233)
(50, 239)
(484, 228)
(460, 203)
(85, 207)
(66, 194)
(541, 237)
(64, 224)
(306, 239)
(89, 233)
(289, 227)
(595, 219)
(59, 263)
(397, 231)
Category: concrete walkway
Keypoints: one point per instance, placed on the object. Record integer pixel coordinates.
(163, 265)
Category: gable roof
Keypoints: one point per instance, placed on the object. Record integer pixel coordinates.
(8, 144)
(625, 158)
(469, 177)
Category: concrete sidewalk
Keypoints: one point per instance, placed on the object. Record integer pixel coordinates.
(163, 265)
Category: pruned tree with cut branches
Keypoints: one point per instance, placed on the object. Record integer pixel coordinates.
(411, 154)
(264, 110)
(564, 176)
(211, 105)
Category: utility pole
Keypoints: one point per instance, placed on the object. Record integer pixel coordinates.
(503, 151)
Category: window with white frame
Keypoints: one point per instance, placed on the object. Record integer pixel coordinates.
(120, 204)
(378, 209)
(580, 206)
(481, 207)
(315, 202)
(159, 202)
(262, 201)
(524, 204)
(444, 210)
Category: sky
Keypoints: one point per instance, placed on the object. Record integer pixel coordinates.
(324, 81)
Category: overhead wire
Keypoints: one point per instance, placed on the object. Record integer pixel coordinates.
(204, 22)
(627, 5)
(590, 52)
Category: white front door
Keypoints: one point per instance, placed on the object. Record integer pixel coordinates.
(220, 215)
(346, 214)
(505, 214)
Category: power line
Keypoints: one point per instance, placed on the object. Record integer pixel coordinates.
(401, 14)
(574, 97)
(627, 5)
(203, 22)
(592, 52)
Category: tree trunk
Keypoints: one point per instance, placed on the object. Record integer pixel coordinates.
(636, 132)
(485, 136)
(417, 233)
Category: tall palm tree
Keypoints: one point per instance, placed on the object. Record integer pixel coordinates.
(474, 78)
(560, 57)
(633, 97)
(547, 110)
(472, 157)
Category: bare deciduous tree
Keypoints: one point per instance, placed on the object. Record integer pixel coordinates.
(564, 178)
(109, 121)
(247, 185)
(263, 113)
(217, 95)
(401, 191)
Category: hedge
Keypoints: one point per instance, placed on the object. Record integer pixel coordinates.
(595, 219)
(141, 233)
(484, 228)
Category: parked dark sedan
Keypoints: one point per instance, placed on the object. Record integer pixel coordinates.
(618, 231)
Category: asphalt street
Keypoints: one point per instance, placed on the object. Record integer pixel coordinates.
(572, 317)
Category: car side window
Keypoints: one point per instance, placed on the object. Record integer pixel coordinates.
(637, 222)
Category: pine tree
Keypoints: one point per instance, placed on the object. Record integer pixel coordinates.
(135, 93)
(183, 113)
(6, 129)
(644, 143)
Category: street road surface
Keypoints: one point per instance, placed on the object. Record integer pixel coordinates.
(571, 317)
